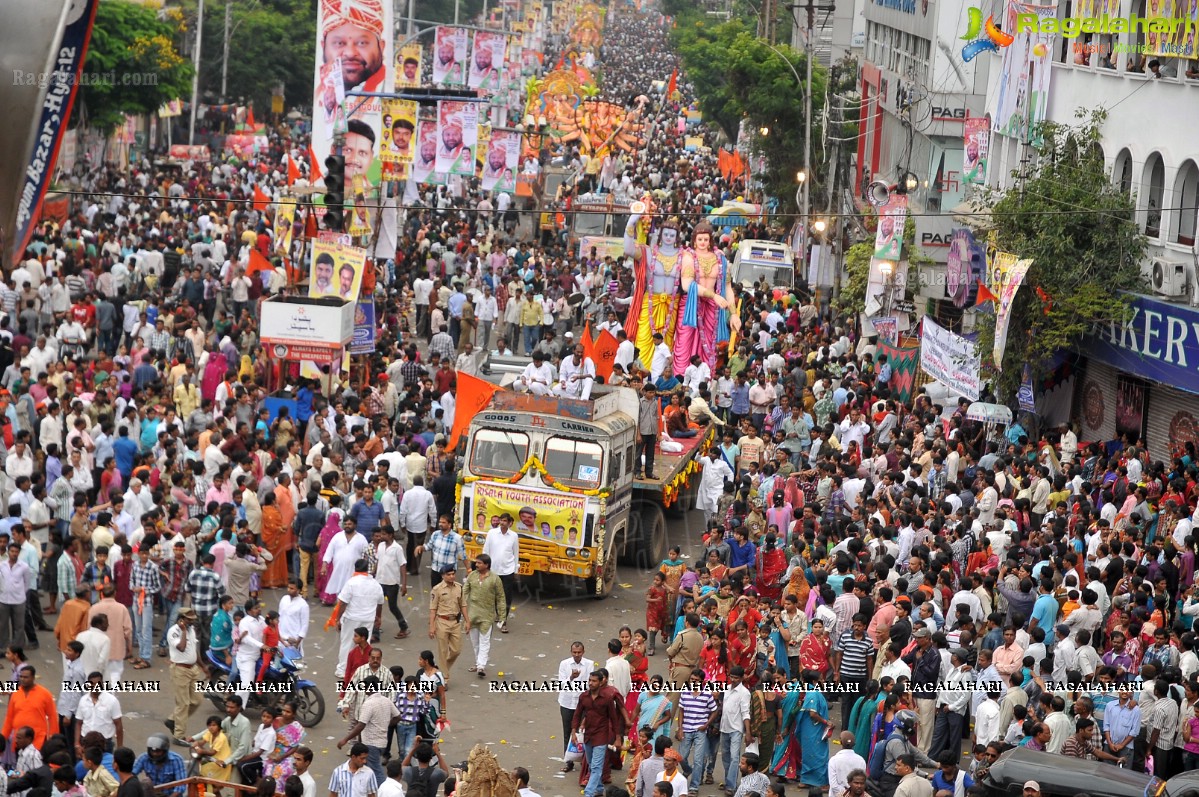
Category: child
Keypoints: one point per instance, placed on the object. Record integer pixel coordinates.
(264, 745)
(97, 573)
(65, 784)
(1014, 734)
(1071, 603)
(213, 746)
(221, 631)
(270, 643)
(978, 758)
(764, 653)
(645, 749)
(655, 611)
(98, 782)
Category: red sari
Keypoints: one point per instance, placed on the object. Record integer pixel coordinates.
(274, 538)
(814, 653)
(742, 652)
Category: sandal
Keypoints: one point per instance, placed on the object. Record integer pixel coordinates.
(141, 665)
(568, 768)
(472, 668)
(482, 673)
(401, 634)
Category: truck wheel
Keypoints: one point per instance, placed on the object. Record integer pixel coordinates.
(632, 539)
(654, 523)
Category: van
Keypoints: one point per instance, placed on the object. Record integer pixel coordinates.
(770, 259)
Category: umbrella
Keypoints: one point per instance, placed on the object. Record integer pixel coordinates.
(293, 115)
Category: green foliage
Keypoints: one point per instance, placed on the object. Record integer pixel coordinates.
(135, 62)
(1078, 229)
(857, 271)
(737, 75)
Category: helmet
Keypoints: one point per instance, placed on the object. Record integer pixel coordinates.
(906, 720)
(158, 741)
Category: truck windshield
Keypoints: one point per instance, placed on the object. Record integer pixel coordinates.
(575, 463)
(775, 275)
(498, 453)
(590, 223)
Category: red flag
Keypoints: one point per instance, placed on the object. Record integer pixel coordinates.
(261, 200)
(587, 341)
(314, 169)
(984, 295)
(673, 84)
(603, 354)
(250, 117)
(293, 171)
(258, 263)
(474, 394)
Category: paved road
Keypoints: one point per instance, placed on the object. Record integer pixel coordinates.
(523, 730)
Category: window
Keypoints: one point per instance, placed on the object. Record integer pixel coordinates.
(1122, 172)
(616, 467)
(1153, 187)
(575, 463)
(629, 454)
(498, 453)
(1186, 191)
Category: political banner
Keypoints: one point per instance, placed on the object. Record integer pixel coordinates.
(887, 329)
(424, 165)
(904, 363)
(950, 359)
(501, 161)
(398, 129)
(337, 268)
(547, 516)
(457, 135)
(408, 66)
(363, 341)
(62, 87)
(974, 160)
(354, 53)
(1011, 274)
(449, 56)
(285, 216)
(487, 61)
(888, 239)
(1026, 74)
(358, 212)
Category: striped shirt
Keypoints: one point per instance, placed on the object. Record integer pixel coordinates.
(697, 708)
(411, 707)
(345, 783)
(854, 654)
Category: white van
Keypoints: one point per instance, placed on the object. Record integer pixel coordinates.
(770, 259)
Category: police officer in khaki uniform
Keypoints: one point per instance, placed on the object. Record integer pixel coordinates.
(446, 610)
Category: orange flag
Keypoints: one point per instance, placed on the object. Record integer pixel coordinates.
(603, 354)
(984, 294)
(474, 394)
(250, 117)
(314, 168)
(258, 263)
(261, 200)
(673, 83)
(293, 171)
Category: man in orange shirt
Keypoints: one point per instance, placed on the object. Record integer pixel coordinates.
(73, 619)
(31, 705)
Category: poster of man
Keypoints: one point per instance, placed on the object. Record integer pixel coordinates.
(399, 128)
(457, 135)
(449, 56)
(888, 241)
(337, 269)
(487, 61)
(499, 167)
(424, 165)
(408, 66)
(284, 219)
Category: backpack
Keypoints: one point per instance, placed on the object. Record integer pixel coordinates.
(878, 756)
(423, 777)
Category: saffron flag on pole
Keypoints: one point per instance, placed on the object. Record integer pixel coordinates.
(673, 84)
(474, 394)
(603, 354)
(261, 200)
(258, 262)
(293, 171)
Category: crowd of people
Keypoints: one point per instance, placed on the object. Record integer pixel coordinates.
(875, 572)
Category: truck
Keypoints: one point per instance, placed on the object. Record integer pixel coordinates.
(771, 260)
(563, 469)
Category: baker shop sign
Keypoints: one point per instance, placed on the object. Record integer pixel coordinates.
(906, 6)
(1157, 341)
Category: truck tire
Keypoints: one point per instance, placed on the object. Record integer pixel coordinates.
(653, 521)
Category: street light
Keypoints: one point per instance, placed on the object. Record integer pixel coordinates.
(820, 226)
(764, 131)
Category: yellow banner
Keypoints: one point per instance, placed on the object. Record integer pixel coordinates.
(399, 127)
(554, 517)
(337, 268)
(408, 63)
(284, 220)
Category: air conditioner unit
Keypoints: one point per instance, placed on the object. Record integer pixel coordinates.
(1168, 278)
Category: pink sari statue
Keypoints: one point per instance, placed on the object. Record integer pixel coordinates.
(709, 312)
(332, 527)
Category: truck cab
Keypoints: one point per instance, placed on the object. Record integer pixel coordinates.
(771, 260)
(563, 469)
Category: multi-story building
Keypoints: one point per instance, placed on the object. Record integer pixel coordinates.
(1140, 378)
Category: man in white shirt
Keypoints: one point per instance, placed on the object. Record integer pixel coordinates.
(99, 711)
(392, 574)
(537, 377)
(503, 546)
(625, 350)
(360, 603)
(734, 727)
(840, 765)
(250, 631)
(986, 720)
(572, 674)
(293, 617)
(577, 375)
(620, 674)
(96, 645)
(697, 373)
(661, 360)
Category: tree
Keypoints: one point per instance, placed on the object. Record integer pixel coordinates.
(135, 65)
(1079, 230)
(857, 268)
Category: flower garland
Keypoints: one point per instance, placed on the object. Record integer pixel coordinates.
(536, 464)
(601, 531)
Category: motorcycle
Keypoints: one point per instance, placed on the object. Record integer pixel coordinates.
(282, 684)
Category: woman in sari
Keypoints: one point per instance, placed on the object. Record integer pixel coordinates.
(785, 762)
(862, 717)
(883, 722)
(289, 734)
(673, 569)
(815, 649)
(653, 710)
(797, 585)
(764, 714)
(813, 727)
(772, 564)
(273, 538)
(324, 571)
(743, 647)
(714, 658)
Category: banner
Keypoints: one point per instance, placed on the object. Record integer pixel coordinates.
(499, 165)
(1011, 276)
(63, 86)
(457, 135)
(354, 53)
(474, 394)
(363, 341)
(964, 266)
(903, 370)
(888, 239)
(245, 146)
(285, 216)
(1027, 72)
(950, 359)
(170, 109)
(182, 152)
(548, 516)
(358, 213)
(408, 64)
(337, 268)
(487, 61)
(399, 128)
(425, 164)
(887, 329)
(449, 56)
(1159, 38)
(974, 159)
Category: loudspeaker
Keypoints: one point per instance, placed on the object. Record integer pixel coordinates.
(878, 193)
